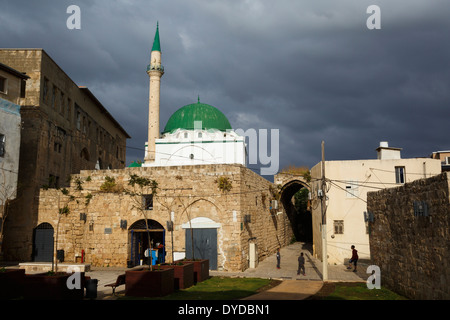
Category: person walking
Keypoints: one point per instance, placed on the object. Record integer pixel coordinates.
(278, 258)
(353, 259)
(301, 264)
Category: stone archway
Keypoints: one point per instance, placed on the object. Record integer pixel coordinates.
(301, 220)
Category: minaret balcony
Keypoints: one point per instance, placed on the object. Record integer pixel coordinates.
(155, 67)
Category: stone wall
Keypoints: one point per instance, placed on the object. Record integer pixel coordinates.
(413, 250)
(188, 191)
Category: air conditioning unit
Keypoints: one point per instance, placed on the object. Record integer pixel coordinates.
(368, 216)
(274, 204)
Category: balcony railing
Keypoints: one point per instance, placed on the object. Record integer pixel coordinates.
(156, 67)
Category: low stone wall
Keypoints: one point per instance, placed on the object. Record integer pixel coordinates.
(411, 244)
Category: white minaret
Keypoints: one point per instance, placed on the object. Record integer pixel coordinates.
(155, 71)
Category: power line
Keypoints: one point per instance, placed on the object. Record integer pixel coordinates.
(415, 173)
(361, 184)
(333, 184)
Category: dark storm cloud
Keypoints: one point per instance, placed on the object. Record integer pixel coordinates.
(311, 69)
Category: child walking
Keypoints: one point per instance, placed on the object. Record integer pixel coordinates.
(354, 259)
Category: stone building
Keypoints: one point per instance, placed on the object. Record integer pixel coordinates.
(64, 129)
(410, 237)
(346, 209)
(12, 90)
(228, 223)
(203, 207)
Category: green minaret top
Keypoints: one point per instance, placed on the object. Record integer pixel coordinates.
(156, 44)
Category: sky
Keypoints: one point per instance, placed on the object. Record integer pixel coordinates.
(313, 70)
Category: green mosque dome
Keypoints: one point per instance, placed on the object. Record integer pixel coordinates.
(135, 165)
(210, 117)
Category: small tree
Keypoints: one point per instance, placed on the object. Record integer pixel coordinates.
(140, 187)
(169, 209)
(64, 210)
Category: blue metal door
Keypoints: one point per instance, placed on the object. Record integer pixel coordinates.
(205, 245)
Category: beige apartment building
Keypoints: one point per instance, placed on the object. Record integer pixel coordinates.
(64, 129)
(346, 207)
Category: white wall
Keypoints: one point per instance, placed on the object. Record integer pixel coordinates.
(187, 147)
(9, 164)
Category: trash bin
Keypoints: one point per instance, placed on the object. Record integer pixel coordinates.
(91, 288)
(130, 264)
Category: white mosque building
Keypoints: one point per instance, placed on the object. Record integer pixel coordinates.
(195, 134)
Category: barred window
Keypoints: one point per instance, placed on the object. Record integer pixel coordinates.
(148, 201)
(338, 226)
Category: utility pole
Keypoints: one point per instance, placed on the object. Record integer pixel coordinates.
(324, 219)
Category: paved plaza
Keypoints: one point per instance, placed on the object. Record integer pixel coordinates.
(293, 287)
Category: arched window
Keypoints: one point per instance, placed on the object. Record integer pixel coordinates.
(84, 154)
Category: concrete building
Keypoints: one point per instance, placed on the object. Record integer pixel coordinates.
(444, 156)
(347, 185)
(65, 129)
(12, 90)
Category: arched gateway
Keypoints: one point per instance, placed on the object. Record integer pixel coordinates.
(300, 218)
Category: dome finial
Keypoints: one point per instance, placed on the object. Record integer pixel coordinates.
(156, 43)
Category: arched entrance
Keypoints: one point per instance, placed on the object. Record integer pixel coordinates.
(294, 198)
(141, 239)
(43, 243)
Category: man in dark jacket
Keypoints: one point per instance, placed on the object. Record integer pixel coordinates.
(301, 264)
(354, 259)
